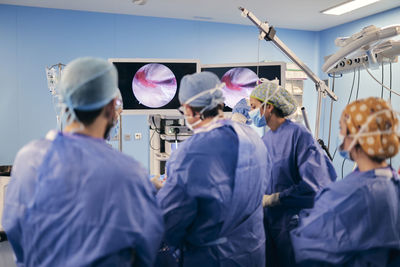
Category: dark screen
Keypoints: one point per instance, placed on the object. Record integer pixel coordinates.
(127, 71)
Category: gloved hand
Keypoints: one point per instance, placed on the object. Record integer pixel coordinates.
(270, 200)
(240, 112)
(157, 181)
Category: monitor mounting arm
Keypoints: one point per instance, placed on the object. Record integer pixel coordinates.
(268, 33)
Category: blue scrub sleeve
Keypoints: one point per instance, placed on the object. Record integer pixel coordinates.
(315, 170)
(151, 228)
(14, 231)
(179, 208)
(18, 193)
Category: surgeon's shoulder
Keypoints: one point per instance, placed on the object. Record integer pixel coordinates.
(302, 134)
(342, 189)
(33, 150)
(214, 139)
(127, 167)
(299, 128)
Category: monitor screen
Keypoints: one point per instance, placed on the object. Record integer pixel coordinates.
(240, 79)
(151, 84)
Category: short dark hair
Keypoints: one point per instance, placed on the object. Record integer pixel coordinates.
(277, 111)
(87, 117)
(209, 113)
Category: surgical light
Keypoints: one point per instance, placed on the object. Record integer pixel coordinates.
(347, 6)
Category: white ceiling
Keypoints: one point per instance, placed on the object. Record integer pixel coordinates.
(292, 14)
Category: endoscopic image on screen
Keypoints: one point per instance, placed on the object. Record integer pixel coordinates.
(239, 82)
(154, 85)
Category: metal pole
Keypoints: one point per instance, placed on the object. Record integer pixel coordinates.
(305, 118)
(318, 117)
(264, 27)
(268, 33)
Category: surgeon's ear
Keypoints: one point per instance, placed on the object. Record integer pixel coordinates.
(188, 111)
(109, 109)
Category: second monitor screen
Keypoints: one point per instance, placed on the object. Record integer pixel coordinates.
(240, 81)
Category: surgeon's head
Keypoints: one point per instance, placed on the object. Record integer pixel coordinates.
(369, 129)
(270, 103)
(89, 93)
(201, 98)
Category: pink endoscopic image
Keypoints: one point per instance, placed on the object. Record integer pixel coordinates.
(154, 85)
(239, 82)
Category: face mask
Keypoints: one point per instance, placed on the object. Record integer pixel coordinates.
(113, 132)
(258, 120)
(344, 153)
(111, 127)
(192, 125)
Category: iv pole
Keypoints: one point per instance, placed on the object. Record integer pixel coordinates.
(52, 79)
(268, 34)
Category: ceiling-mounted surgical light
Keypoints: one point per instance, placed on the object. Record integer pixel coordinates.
(347, 7)
(139, 2)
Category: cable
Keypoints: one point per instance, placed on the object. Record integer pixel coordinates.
(390, 94)
(352, 87)
(330, 116)
(344, 160)
(390, 82)
(384, 86)
(155, 130)
(258, 57)
(151, 138)
(348, 101)
(155, 126)
(358, 83)
(383, 73)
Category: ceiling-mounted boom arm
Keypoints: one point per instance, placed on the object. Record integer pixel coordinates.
(268, 33)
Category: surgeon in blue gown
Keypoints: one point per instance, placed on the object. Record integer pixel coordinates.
(212, 199)
(356, 221)
(72, 199)
(300, 168)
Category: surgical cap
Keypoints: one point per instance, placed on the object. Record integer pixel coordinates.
(276, 95)
(195, 84)
(378, 123)
(88, 84)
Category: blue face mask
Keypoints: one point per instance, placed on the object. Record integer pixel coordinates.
(113, 132)
(344, 153)
(258, 120)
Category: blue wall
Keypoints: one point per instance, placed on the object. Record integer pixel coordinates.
(368, 87)
(33, 38)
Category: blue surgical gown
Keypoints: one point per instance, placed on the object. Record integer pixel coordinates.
(355, 222)
(75, 201)
(299, 169)
(211, 200)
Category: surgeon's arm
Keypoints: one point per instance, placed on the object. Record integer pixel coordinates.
(10, 223)
(316, 172)
(146, 220)
(179, 210)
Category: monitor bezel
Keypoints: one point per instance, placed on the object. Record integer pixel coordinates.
(252, 64)
(154, 111)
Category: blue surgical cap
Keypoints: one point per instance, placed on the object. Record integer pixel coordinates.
(194, 84)
(88, 84)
